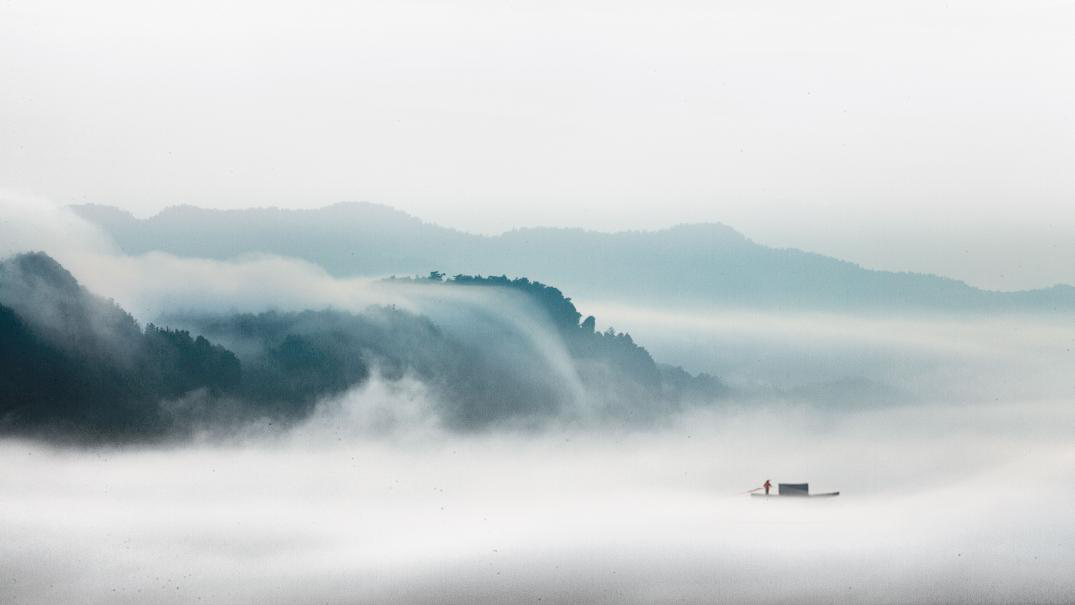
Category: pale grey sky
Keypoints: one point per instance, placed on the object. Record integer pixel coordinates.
(930, 136)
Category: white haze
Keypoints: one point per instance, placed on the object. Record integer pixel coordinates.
(31, 223)
(955, 463)
(955, 500)
(939, 503)
(921, 357)
(919, 135)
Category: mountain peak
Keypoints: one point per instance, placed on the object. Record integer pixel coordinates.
(710, 231)
(36, 268)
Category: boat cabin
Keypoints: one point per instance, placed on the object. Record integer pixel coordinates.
(793, 489)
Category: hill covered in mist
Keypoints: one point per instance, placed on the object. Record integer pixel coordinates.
(72, 362)
(509, 352)
(705, 264)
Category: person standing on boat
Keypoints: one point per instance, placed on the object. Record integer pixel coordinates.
(767, 485)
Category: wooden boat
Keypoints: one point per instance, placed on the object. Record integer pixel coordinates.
(794, 490)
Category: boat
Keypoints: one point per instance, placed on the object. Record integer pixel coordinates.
(794, 490)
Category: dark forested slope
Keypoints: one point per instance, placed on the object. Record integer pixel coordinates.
(75, 365)
(74, 362)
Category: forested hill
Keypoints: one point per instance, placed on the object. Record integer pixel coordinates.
(74, 365)
(708, 264)
(628, 372)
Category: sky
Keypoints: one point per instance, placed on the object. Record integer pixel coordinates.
(925, 136)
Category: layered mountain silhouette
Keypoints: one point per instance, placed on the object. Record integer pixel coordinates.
(705, 264)
(75, 365)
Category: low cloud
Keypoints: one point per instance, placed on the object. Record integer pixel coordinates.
(958, 490)
(939, 503)
(29, 223)
(927, 358)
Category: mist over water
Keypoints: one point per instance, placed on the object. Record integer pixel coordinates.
(952, 511)
(948, 437)
(944, 498)
(855, 270)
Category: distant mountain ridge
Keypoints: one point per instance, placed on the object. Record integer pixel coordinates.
(700, 264)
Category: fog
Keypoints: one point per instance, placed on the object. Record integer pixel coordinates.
(949, 439)
(973, 358)
(957, 499)
(925, 136)
(938, 504)
(939, 129)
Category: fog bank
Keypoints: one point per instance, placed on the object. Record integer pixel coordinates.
(939, 503)
(948, 438)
